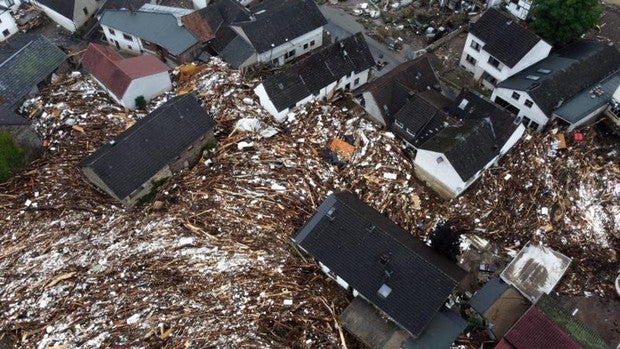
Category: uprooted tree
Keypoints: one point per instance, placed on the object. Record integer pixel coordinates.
(562, 21)
(445, 239)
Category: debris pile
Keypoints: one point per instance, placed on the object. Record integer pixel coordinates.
(210, 262)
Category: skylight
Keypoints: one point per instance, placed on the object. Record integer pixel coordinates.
(384, 291)
(543, 71)
(463, 104)
(532, 77)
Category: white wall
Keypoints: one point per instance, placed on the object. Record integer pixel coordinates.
(61, 20)
(372, 108)
(442, 171)
(296, 44)
(79, 17)
(148, 86)
(533, 113)
(8, 27)
(586, 120)
(338, 279)
(134, 45)
(198, 4)
(538, 52)
(520, 9)
(13, 7)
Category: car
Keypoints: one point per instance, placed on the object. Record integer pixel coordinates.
(392, 44)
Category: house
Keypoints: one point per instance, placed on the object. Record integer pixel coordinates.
(497, 47)
(169, 139)
(383, 97)
(535, 270)
(26, 61)
(519, 8)
(21, 132)
(125, 79)
(343, 65)
(12, 5)
(158, 31)
(8, 26)
(547, 325)
(574, 85)
(612, 112)
(379, 262)
(69, 14)
(272, 32)
(455, 157)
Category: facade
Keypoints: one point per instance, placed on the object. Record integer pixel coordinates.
(497, 47)
(344, 65)
(379, 262)
(8, 27)
(166, 141)
(70, 14)
(573, 85)
(455, 157)
(125, 79)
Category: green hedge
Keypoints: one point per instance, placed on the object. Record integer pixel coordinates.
(11, 156)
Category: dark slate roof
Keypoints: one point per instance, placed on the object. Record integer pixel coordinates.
(324, 66)
(64, 7)
(503, 37)
(159, 28)
(368, 250)
(231, 11)
(152, 143)
(422, 117)
(445, 327)
(128, 4)
(393, 89)
(26, 60)
(231, 47)
(573, 69)
(9, 118)
(488, 295)
(278, 21)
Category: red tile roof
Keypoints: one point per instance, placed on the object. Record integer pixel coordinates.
(115, 72)
(536, 331)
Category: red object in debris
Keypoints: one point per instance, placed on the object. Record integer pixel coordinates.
(578, 136)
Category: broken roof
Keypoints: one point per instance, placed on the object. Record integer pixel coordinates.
(422, 116)
(563, 75)
(503, 37)
(160, 28)
(64, 7)
(279, 21)
(26, 60)
(547, 325)
(115, 72)
(535, 270)
(134, 156)
(312, 73)
(396, 272)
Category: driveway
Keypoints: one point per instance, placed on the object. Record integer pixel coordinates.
(341, 25)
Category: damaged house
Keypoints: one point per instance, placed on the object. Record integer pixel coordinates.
(497, 47)
(573, 85)
(69, 14)
(455, 157)
(168, 140)
(390, 273)
(126, 79)
(343, 65)
(8, 26)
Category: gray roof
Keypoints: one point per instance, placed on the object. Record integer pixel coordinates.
(566, 73)
(152, 143)
(589, 100)
(279, 21)
(231, 47)
(504, 38)
(308, 75)
(488, 294)
(372, 253)
(422, 117)
(159, 28)
(26, 60)
(9, 118)
(64, 7)
(443, 330)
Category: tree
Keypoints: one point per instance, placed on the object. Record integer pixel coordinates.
(445, 239)
(140, 102)
(11, 156)
(561, 21)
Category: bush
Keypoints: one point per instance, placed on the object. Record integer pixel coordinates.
(11, 156)
(140, 102)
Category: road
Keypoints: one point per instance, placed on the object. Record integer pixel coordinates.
(341, 24)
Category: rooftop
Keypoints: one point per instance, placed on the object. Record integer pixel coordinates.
(422, 116)
(64, 7)
(396, 272)
(589, 100)
(9, 118)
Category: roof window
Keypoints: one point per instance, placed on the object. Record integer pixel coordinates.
(384, 291)
(533, 77)
(543, 71)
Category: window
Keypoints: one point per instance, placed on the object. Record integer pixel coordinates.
(528, 103)
(275, 61)
(439, 160)
(127, 37)
(111, 31)
(398, 123)
(409, 132)
(0, 20)
(475, 45)
(85, 11)
(534, 125)
(312, 43)
(470, 59)
(289, 54)
(526, 121)
(305, 46)
(494, 62)
(491, 80)
(356, 82)
(129, 47)
(516, 96)
(6, 32)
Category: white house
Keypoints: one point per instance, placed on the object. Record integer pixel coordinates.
(573, 85)
(70, 14)
(342, 65)
(8, 27)
(125, 79)
(455, 157)
(519, 8)
(498, 47)
(10, 4)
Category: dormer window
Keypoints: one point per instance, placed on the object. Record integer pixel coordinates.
(439, 160)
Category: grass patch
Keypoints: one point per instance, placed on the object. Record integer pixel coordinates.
(11, 156)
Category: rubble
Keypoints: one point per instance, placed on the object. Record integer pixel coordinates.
(209, 263)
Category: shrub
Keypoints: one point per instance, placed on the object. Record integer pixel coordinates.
(11, 156)
(140, 102)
